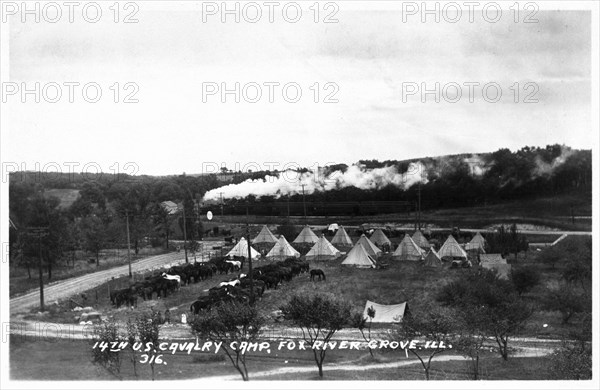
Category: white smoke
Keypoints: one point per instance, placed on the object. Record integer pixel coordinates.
(543, 168)
(291, 182)
(477, 166)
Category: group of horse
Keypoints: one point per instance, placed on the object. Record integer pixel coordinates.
(161, 284)
(238, 289)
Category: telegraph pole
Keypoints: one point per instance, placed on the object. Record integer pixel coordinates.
(419, 205)
(40, 231)
(249, 258)
(303, 201)
(128, 243)
(221, 194)
(184, 234)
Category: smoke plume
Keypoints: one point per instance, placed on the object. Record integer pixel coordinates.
(291, 182)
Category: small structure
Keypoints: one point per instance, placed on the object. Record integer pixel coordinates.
(241, 250)
(282, 250)
(306, 236)
(371, 248)
(477, 244)
(341, 238)
(380, 239)
(386, 313)
(358, 257)
(420, 240)
(323, 250)
(408, 250)
(432, 259)
(265, 237)
(451, 250)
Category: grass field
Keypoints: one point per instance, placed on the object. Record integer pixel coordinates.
(71, 360)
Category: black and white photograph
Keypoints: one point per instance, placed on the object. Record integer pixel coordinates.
(324, 194)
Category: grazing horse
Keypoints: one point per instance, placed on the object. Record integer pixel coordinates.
(231, 283)
(201, 304)
(317, 272)
(177, 278)
(237, 265)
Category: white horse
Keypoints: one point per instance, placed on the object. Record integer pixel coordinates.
(232, 283)
(172, 277)
(236, 264)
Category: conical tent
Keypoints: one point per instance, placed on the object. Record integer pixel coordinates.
(380, 239)
(477, 243)
(451, 249)
(265, 236)
(358, 257)
(282, 250)
(241, 250)
(341, 238)
(408, 250)
(371, 249)
(322, 250)
(432, 259)
(306, 236)
(420, 240)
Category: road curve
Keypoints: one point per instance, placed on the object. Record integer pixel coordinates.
(68, 287)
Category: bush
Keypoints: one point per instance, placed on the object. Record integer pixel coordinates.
(524, 279)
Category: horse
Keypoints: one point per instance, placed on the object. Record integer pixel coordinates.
(200, 304)
(317, 272)
(237, 265)
(231, 283)
(177, 278)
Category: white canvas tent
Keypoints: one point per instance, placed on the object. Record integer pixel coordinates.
(477, 243)
(241, 250)
(420, 240)
(451, 249)
(265, 237)
(323, 250)
(380, 239)
(341, 238)
(432, 259)
(371, 248)
(333, 227)
(306, 236)
(386, 313)
(358, 257)
(282, 250)
(408, 250)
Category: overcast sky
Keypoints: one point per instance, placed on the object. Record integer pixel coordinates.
(369, 55)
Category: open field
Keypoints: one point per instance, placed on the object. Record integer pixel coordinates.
(71, 360)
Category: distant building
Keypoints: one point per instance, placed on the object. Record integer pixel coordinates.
(170, 207)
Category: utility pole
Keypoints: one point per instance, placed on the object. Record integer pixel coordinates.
(249, 258)
(288, 205)
(221, 194)
(419, 205)
(303, 201)
(40, 231)
(184, 233)
(128, 243)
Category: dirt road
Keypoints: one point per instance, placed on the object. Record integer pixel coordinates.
(68, 287)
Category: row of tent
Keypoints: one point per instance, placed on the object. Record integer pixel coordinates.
(410, 248)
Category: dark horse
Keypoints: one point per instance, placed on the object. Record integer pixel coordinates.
(317, 272)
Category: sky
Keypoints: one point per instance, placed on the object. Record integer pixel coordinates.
(362, 64)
